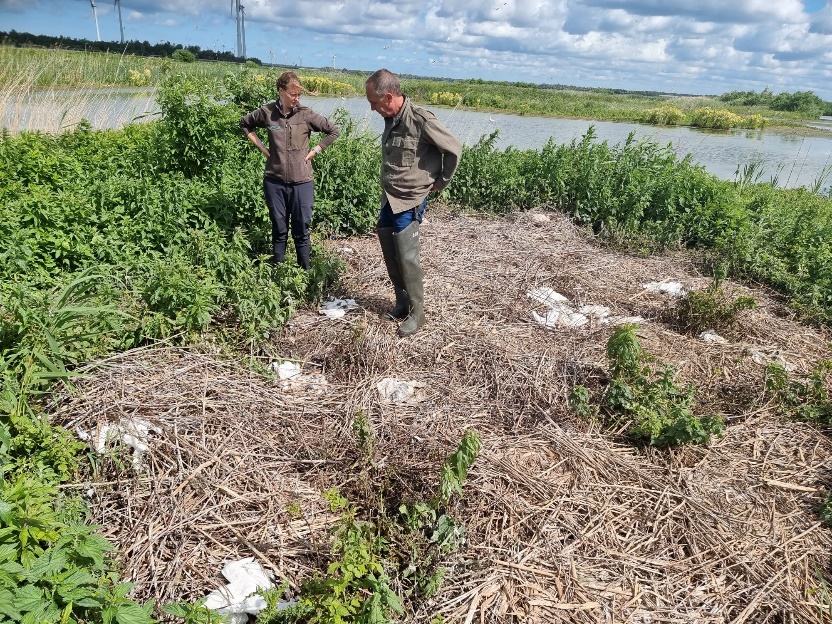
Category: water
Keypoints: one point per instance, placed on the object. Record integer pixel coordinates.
(56, 110)
(792, 160)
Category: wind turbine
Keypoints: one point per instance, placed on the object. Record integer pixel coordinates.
(243, 28)
(95, 17)
(237, 7)
(117, 3)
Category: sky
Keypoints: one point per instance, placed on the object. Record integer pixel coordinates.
(675, 46)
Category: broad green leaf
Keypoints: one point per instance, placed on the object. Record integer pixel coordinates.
(6, 605)
(132, 613)
(29, 598)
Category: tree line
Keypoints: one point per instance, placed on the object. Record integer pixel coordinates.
(137, 48)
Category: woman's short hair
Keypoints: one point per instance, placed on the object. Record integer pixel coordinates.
(287, 78)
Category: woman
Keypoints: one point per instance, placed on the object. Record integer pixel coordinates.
(287, 183)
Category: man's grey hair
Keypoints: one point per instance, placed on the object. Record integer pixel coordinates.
(384, 81)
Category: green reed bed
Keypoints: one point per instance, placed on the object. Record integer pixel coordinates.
(53, 68)
(604, 105)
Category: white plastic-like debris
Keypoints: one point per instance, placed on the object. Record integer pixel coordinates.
(674, 289)
(239, 598)
(287, 369)
(562, 314)
(560, 318)
(294, 381)
(597, 311)
(765, 356)
(547, 296)
(393, 390)
(337, 308)
(132, 432)
(346, 250)
(710, 336)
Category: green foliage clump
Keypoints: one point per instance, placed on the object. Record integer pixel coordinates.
(723, 119)
(580, 403)
(322, 85)
(355, 588)
(804, 400)
(445, 98)
(53, 569)
(455, 468)
(805, 102)
(183, 56)
(824, 510)
(347, 188)
(197, 128)
(786, 242)
(717, 118)
(647, 399)
(712, 308)
(140, 78)
(368, 559)
(664, 115)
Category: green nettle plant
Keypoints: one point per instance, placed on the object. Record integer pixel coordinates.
(54, 569)
(409, 545)
(646, 398)
(804, 400)
(825, 510)
(712, 308)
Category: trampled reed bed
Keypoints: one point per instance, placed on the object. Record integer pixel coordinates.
(564, 521)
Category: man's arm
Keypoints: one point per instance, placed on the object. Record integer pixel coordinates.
(448, 145)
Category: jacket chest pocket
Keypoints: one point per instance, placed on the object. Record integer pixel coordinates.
(403, 151)
(298, 136)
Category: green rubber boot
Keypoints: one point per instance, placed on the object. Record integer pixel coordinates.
(388, 250)
(407, 251)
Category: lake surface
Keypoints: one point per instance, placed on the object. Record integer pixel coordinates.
(793, 160)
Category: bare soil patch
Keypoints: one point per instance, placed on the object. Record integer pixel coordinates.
(565, 523)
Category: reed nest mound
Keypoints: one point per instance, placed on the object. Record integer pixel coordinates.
(565, 521)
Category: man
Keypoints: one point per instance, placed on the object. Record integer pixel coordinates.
(418, 155)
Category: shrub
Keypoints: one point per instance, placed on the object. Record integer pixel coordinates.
(804, 400)
(408, 543)
(663, 116)
(184, 56)
(754, 121)
(445, 98)
(716, 118)
(54, 569)
(139, 78)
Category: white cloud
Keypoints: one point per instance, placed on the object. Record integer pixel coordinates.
(689, 45)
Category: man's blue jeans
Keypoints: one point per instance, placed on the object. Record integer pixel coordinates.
(387, 219)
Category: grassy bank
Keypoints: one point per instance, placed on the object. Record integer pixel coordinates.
(22, 70)
(114, 239)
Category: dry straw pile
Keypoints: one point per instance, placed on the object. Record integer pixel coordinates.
(565, 522)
